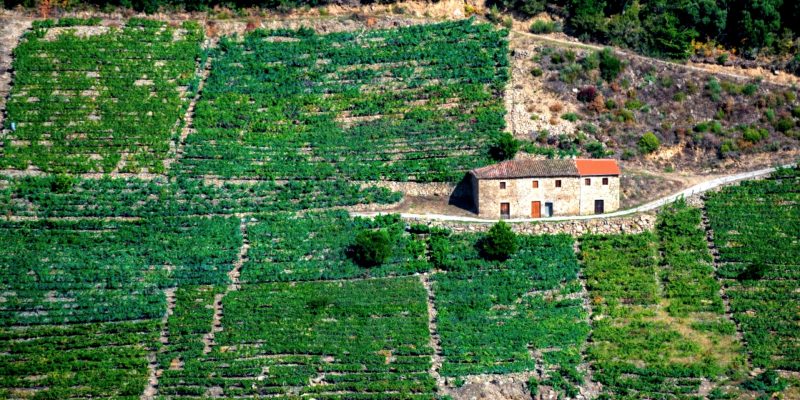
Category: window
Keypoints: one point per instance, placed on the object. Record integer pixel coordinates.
(502, 185)
(588, 181)
(558, 183)
(605, 181)
(535, 184)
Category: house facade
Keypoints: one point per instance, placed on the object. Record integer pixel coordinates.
(546, 188)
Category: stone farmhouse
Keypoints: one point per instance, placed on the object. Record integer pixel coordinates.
(546, 188)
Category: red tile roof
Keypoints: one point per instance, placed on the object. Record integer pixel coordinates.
(547, 168)
(597, 167)
(527, 169)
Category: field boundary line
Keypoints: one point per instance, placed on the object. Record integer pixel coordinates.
(154, 372)
(705, 222)
(177, 146)
(233, 276)
(588, 379)
(435, 340)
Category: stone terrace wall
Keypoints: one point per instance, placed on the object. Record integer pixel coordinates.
(632, 224)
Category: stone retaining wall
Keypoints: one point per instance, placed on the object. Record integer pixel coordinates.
(440, 189)
(633, 224)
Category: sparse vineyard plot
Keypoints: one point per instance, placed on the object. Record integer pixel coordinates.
(103, 100)
(60, 196)
(314, 246)
(81, 302)
(418, 103)
(499, 317)
(755, 227)
(363, 339)
(649, 341)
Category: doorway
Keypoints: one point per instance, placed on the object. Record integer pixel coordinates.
(536, 209)
(599, 207)
(548, 209)
(505, 210)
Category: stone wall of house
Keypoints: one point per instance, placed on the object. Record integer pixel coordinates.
(597, 191)
(630, 225)
(520, 194)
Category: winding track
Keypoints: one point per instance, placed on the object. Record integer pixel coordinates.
(696, 189)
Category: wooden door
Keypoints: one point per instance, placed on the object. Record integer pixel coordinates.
(599, 207)
(536, 209)
(505, 210)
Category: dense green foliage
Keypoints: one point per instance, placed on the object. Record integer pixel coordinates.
(493, 315)
(371, 248)
(286, 247)
(100, 103)
(667, 29)
(418, 103)
(499, 243)
(360, 339)
(755, 227)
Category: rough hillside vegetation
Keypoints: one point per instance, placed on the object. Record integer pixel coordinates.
(600, 103)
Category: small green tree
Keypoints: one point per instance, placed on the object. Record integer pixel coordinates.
(371, 248)
(499, 243)
(649, 143)
(504, 148)
(610, 65)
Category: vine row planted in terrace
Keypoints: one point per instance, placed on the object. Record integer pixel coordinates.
(418, 103)
(98, 101)
(755, 227)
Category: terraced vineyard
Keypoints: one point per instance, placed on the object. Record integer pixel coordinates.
(62, 196)
(232, 273)
(82, 301)
(358, 339)
(99, 99)
(419, 103)
(314, 246)
(658, 329)
(755, 227)
(512, 316)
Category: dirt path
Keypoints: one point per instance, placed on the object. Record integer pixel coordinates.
(151, 389)
(233, 275)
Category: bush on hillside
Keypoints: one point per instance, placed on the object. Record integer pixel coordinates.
(504, 148)
(610, 65)
(371, 248)
(768, 382)
(499, 243)
(540, 27)
(649, 143)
